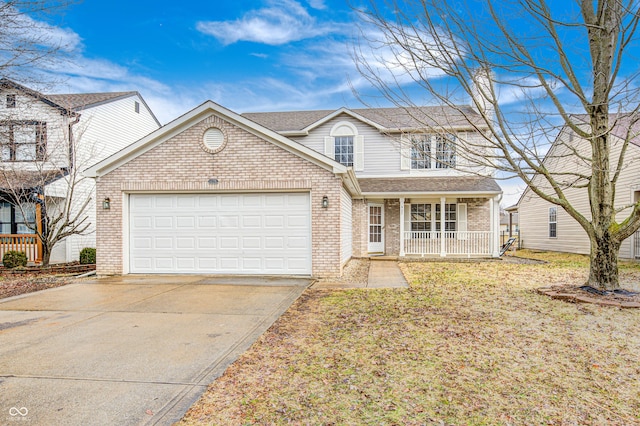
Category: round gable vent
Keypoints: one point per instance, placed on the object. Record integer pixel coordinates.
(213, 140)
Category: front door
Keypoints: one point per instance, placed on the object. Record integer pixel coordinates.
(376, 228)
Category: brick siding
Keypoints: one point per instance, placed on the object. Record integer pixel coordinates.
(247, 163)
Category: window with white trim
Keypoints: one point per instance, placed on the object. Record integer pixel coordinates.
(445, 152)
(343, 148)
(426, 217)
(421, 217)
(23, 140)
(430, 151)
(553, 222)
(420, 152)
(345, 145)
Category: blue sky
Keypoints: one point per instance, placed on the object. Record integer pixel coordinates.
(259, 55)
(245, 55)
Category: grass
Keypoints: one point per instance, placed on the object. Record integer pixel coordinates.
(468, 343)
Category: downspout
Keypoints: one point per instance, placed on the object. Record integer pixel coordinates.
(72, 153)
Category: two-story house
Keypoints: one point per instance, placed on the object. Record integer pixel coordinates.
(295, 192)
(45, 141)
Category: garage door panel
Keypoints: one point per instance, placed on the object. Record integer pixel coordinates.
(220, 233)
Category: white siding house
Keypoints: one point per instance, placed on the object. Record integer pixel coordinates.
(545, 226)
(76, 131)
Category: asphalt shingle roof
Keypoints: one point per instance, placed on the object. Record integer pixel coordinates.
(428, 184)
(388, 118)
(77, 101)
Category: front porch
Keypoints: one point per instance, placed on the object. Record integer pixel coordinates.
(30, 244)
(460, 243)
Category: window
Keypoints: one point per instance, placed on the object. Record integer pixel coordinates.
(420, 152)
(344, 150)
(421, 217)
(11, 101)
(17, 219)
(445, 152)
(136, 107)
(553, 222)
(430, 152)
(23, 140)
(449, 217)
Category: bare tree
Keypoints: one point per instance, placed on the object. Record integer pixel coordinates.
(570, 65)
(28, 43)
(41, 179)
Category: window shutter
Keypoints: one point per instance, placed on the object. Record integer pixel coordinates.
(329, 149)
(358, 157)
(462, 221)
(405, 154)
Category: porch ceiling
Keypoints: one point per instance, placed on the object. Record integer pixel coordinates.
(462, 185)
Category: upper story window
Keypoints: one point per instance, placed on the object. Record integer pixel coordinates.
(445, 152)
(345, 145)
(420, 152)
(11, 101)
(23, 140)
(426, 152)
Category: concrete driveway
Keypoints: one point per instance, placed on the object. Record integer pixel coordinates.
(128, 350)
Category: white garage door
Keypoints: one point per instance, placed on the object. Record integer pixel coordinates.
(220, 233)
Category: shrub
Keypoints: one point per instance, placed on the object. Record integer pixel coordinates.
(88, 256)
(13, 259)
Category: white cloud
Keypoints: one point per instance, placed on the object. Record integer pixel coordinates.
(281, 22)
(317, 4)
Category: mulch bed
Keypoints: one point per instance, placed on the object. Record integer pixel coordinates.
(73, 268)
(585, 294)
(14, 282)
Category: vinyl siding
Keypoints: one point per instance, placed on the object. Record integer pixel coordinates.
(571, 237)
(382, 153)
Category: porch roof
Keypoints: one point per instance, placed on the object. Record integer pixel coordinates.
(14, 181)
(461, 185)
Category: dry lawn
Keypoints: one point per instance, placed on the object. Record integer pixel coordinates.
(467, 344)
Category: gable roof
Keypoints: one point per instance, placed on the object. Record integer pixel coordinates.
(71, 103)
(87, 100)
(622, 123)
(384, 119)
(195, 115)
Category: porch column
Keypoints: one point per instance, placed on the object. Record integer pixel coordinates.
(443, 248)
(495, 225)
(402, 226)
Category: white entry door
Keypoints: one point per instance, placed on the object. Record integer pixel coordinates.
(267, 233)
(376, 228)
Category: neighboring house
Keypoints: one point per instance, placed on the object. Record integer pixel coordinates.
(292, 193)
(545, 226)
(509, 222)
(43, 140)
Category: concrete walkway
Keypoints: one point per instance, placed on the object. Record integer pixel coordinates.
(385, 274)
(382, 274)
(128, 350)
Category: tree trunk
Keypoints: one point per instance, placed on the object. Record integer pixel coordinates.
(603, 270)
(46, 255)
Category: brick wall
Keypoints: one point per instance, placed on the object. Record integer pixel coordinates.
(360, 228)
(246, 163)
(478, 213)
(392, 227)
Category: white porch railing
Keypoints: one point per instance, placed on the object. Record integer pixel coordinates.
(469, 243)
